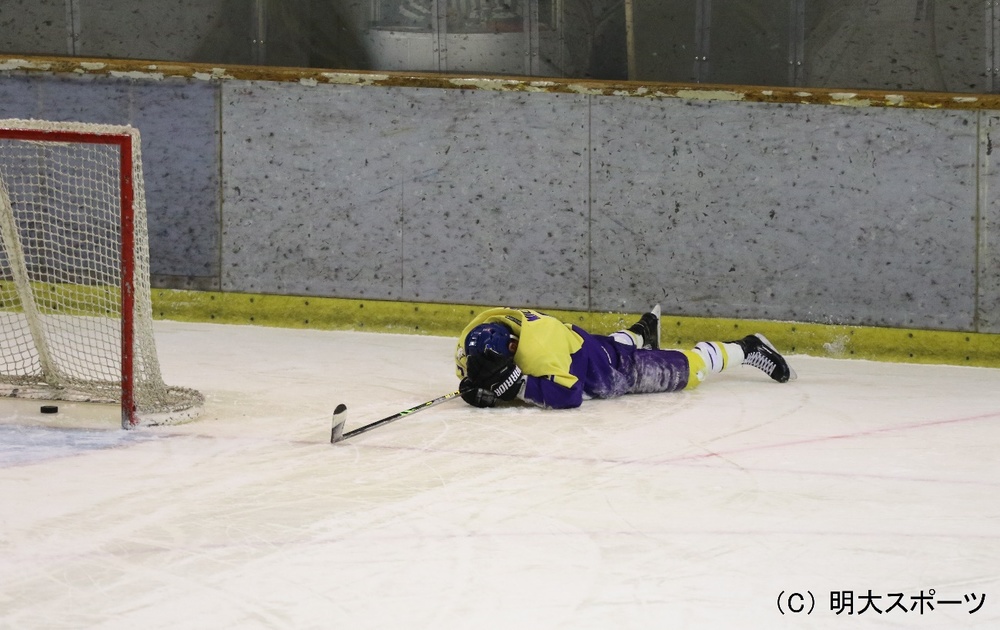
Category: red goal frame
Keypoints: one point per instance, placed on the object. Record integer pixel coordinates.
(124, 142)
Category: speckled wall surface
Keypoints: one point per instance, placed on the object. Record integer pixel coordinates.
(137, 29)
(988, 225)
(875, 216)
(414, 194)
(178, 121)
(34, 27)
(152, 29)
(792, 212)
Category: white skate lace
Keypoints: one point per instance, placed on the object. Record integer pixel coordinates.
(760, 361)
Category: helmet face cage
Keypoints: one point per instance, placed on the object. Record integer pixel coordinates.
(488, 337)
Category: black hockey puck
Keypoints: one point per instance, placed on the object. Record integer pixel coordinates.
(50, 409)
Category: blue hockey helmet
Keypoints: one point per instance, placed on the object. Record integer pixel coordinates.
(494, 337)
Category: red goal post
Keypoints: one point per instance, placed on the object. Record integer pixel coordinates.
(75, 298)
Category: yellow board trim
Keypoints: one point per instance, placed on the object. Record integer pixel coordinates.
(448, 320)
(54, 298)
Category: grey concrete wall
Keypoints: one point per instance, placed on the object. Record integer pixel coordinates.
(798, 212)
(35, 27)
(414, 194)
(879, 44)
(137, 29)
(987, 224)
(179, 123)
(804, 212)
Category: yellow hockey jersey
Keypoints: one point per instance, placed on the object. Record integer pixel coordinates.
(545, 345)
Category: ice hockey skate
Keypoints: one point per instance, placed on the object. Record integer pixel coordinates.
(759, 353)
(648, 327)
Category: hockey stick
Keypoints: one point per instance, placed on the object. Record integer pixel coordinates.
(339, 418)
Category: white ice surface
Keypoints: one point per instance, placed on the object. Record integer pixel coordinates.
(688, 510)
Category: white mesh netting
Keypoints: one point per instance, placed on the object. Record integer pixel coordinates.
(61, 270)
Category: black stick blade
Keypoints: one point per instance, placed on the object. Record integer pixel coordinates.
(339, 419)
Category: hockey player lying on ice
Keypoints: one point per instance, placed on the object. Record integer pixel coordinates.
(506, 354)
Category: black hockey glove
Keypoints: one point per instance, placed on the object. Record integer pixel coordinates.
(476, 396)
(497, 374)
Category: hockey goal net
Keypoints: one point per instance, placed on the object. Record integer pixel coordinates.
(75, 300)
